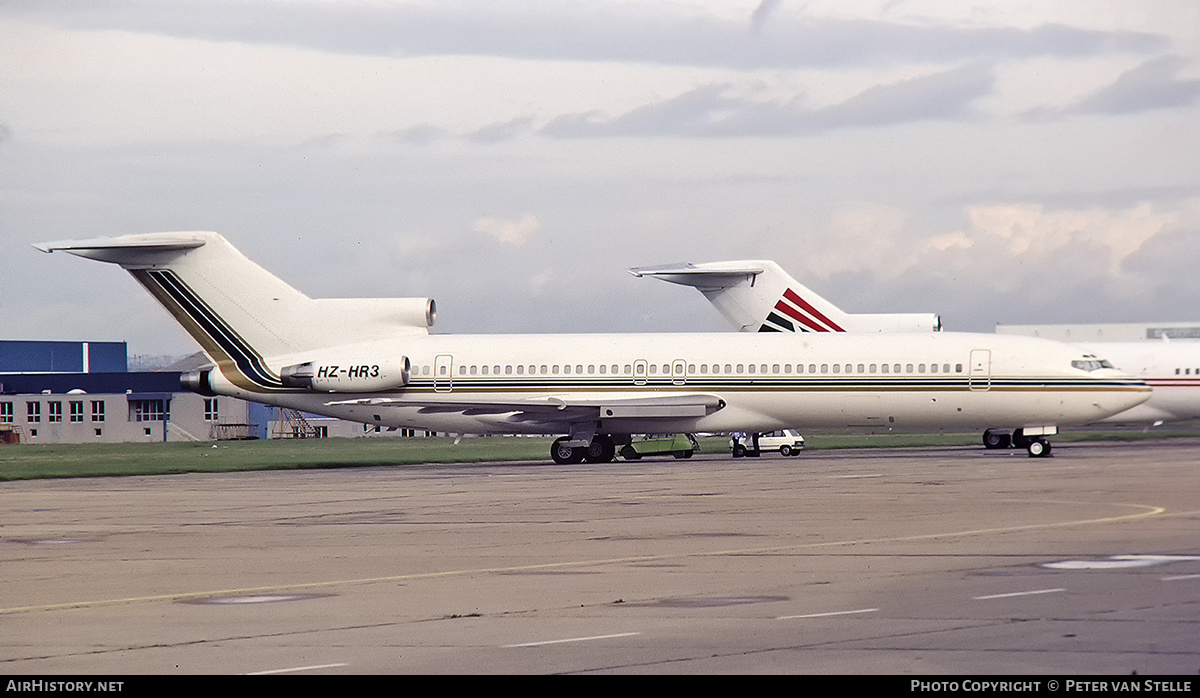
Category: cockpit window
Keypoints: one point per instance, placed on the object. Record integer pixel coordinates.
(1091, 364)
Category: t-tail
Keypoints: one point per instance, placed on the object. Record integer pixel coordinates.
(759, 296)
(240, 313)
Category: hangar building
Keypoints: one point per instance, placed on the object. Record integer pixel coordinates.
(83, 392)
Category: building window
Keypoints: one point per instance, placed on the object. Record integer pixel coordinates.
(210, 409)
(149, 411)
(97, 410)
(54, 413)
(6, 413)
(33, 411)
(76, 411)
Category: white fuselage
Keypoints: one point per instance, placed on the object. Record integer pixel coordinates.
(755, 382)
(1171, 368)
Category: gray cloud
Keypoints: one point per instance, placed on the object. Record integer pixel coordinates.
(393, 216)
(420, 134)
(1152, 85)
(495, 133)
(593, 31)
(761, 13)
(691, 113)
(712, 110)
(942, 95)
(1169, 261)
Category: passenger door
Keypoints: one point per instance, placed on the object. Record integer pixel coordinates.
(980, 369)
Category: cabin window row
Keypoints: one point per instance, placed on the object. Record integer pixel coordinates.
(704, 369)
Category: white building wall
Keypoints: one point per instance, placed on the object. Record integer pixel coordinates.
(1118, 332)
(67, 418)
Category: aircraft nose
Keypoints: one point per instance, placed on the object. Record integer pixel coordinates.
(1127, 392)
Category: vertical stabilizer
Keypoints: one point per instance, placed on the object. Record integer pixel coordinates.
(239, 312)
(759, 296)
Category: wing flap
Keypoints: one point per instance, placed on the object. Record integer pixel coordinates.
(560, 408)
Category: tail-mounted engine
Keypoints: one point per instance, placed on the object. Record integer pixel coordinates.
(351, 375)
(197, 382)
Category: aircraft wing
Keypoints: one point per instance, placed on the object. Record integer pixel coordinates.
(566, 408)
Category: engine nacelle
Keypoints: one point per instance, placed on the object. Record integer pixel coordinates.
(198, 381)
(347, 375)
(387, 315)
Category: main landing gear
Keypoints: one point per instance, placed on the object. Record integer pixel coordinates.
(1036, 446)
(602, 449)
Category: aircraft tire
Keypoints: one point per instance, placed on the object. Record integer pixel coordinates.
(996, 439)
(601, 450)
(1038, 448)
(563, 454)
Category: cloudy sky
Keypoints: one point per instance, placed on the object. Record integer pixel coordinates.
(996, 162)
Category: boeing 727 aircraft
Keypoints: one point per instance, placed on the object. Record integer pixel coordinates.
(374, 361)
(759, 296)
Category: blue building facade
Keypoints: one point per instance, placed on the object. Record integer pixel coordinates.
(19, 356)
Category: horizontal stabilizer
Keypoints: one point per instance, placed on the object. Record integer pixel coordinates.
(713, 276)
(130, 250)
